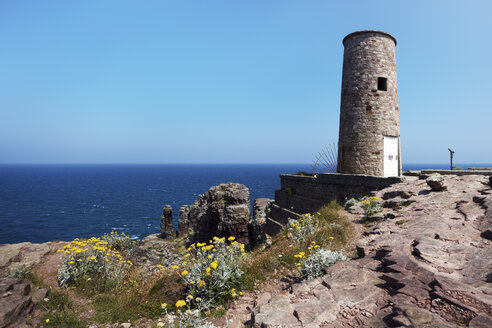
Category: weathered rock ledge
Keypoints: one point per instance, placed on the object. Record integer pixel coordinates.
(426, 261)
(222, 211)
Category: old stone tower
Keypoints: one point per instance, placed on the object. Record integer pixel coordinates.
(369, 137)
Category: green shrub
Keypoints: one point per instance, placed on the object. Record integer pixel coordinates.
(349, 203)
(298, 230)
(20, 272)
(211, 271)
(60, 311)
(93, 257)
(315, 264)
(121, 243)
(371, 206)
(185, 316)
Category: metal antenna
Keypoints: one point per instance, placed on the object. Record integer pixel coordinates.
(451, 153)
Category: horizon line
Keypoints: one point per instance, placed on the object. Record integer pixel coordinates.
(271, 163)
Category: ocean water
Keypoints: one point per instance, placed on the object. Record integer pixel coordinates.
(39, 203)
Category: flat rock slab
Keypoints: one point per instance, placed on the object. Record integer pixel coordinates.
(15, 301)
(316, 312)
(352, 286)
(432, 269)
(277, 312)
(22, 254)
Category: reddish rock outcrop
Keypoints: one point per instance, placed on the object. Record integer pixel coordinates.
(425, 261)
(17, 300)
(167, 229)
(222, 211)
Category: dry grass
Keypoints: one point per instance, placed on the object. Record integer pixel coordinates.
(98, 302)
(279, 260)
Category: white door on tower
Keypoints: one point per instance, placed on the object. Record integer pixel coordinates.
(390, 156)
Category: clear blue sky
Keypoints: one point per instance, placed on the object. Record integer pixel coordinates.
(231, 81)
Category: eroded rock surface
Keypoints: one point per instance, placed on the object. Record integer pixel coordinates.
(224, 210)
(17, 299)
(261, 209)
(167, 229)
(426, 261)
(22, 256)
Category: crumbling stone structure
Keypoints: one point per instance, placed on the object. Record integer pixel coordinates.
(369, 136)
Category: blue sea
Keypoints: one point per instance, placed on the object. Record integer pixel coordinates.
(39, 203)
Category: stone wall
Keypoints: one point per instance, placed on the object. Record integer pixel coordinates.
(366, 113)
(303, 194)
(484, 171)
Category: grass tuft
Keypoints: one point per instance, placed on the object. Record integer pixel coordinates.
(60, 311)
(333, 232)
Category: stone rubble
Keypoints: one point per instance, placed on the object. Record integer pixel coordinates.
(436, 182)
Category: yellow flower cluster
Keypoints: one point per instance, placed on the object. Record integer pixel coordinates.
(180, 303)
(302, 255)
(204, 250)
(314, 246)
(368, 200)
(95, 248)
(95, 255)
(209, 269)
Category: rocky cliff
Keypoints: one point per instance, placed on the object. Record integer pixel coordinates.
(424, 261)
(224, 210)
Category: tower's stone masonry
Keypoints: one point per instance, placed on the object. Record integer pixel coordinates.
(369, 103)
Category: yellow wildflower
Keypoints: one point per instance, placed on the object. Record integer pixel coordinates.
(180, 303)
(214, 264)
(231, 238)
(184, 273)
(201, 283)
(163, 305)
(175, 267)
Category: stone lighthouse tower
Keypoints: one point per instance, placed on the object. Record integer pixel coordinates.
(369, 137)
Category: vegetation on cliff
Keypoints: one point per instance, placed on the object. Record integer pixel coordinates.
(111, 279)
